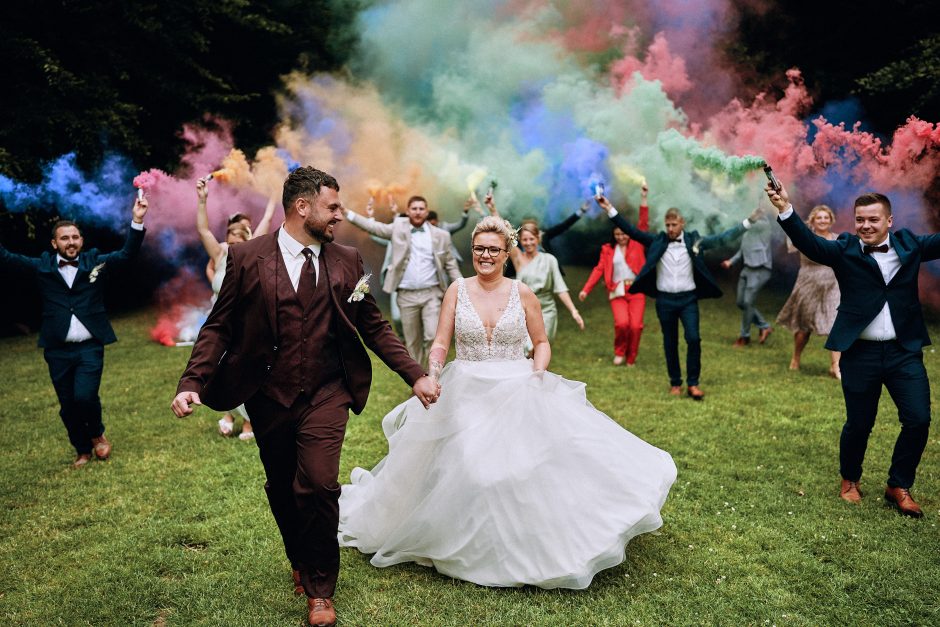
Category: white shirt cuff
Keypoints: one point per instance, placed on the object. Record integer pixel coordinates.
(611, 212)
(746, 223)
(786, 214)
(137, 226)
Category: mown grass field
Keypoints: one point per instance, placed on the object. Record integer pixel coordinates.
(175, 529)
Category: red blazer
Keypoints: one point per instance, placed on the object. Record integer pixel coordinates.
(635, 257)
(236, 347)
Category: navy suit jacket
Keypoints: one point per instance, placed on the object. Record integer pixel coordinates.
(656, 243)
(864, 292)
(85, 299)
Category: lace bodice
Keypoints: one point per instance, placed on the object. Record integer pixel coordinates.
(507, 340)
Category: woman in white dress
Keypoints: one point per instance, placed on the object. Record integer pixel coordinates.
(512, 478)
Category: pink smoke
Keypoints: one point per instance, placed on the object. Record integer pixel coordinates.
(660, 64)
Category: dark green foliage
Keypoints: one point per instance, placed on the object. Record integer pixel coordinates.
(93, 76)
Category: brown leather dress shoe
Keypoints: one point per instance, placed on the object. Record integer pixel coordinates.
(764, 334)
(695, 393)
(850, 492)
(675, 390)
(298, 586)
(901, 499)
(741, 342)
(321, 612)
(81, 460)
(102, 447)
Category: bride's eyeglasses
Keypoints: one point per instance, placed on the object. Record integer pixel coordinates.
(492, 250)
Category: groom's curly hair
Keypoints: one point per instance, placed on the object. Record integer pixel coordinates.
(305, 181)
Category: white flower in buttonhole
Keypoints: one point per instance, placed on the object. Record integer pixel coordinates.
(93, 275)
(359, 292)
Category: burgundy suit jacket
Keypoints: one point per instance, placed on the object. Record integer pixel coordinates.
(237, 345)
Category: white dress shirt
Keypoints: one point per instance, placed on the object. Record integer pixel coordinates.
(420, 272)
(621, 271)
(674, 270)
(881, 328)
(292, 253)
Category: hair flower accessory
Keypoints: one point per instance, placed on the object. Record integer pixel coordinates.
(93, 275)
(361, 289)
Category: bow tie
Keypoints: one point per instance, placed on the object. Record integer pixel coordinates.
(417, 229)
(675, 240)
(65, 262)
(875, 249)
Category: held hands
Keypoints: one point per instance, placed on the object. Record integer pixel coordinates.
(181, 404)
(140, 209)
(427, 390)
(779, 199)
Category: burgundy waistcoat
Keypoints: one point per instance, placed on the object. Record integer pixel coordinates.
(307, 354)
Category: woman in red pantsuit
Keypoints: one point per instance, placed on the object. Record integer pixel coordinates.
(619, 264)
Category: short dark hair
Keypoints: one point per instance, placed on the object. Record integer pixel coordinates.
(873, 198)
(432, 215)
(238, 217)
(417, 198)
(305, 181)
(61, 224)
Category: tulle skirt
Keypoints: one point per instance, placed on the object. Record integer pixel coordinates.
(510, 479)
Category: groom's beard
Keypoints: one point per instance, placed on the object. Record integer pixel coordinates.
(321, 233)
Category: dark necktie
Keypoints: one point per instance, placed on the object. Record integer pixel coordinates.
(875, 249)
(65, 262)
(307, 283)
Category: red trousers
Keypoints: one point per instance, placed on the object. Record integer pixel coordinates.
(628, 324)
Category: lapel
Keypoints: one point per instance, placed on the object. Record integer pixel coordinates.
(903, 251)
(54, 269)
(333, 267)
(268, 277)
(867, 260)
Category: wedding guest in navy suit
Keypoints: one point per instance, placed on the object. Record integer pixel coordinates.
(675, 275)
(75, 327)
(880, 330)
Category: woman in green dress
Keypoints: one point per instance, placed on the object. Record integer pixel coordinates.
(539, 270)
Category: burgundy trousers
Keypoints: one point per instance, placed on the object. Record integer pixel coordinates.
(300, 449)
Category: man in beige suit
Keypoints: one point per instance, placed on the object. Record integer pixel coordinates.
(421, 268)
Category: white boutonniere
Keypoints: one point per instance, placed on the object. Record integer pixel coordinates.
(93, 275)
(696, 246)
(359, 292)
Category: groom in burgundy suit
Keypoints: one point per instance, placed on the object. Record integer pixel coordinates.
(284, 338)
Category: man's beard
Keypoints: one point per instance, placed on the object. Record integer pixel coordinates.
(319, 234)
(64, 253)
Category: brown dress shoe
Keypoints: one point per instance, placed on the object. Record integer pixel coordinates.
(901, 499)
(695, 393)
(81, 460)
(675, 390)
(321, 612)
(102, 447)
(850, 492)
(741, 342)
(764, 334)
(298, 586)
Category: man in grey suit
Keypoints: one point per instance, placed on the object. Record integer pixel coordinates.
(421, 268)
(757, 259)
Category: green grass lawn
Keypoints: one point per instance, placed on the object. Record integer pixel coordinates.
(175, 529)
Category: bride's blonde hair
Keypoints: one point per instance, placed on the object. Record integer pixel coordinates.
(492, 224)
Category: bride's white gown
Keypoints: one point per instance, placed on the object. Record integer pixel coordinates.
(510, 478)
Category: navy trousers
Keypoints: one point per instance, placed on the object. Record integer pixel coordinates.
(75, 369)
(672, 309)
(866, 366)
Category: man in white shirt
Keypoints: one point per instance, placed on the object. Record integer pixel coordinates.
(675, 275)
(421, 268)
(880, 331)
(75, 326)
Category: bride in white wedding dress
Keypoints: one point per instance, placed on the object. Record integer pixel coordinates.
(512, 478)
